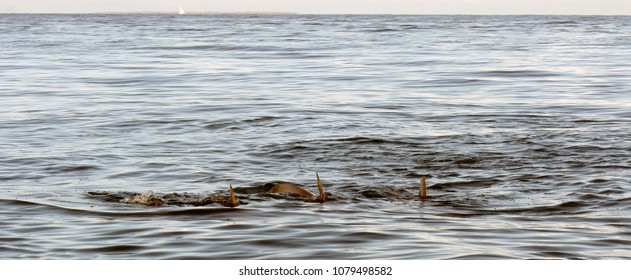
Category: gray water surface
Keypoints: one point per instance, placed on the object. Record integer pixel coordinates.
(520, 123)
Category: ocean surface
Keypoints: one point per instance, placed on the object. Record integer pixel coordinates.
(521, 125)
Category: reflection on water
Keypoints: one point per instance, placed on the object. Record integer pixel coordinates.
(517, 122)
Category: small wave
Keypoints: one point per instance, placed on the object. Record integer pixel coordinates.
(613, 191)
(192, 48)
(368, 140)
(72, 168)
(450, 82)
(622, 203)
(466, 184)
(562, 22)
(186, 29)
(563, 208)
(409, 26)
(151, 122)
(236, 124)
(480, 257)
(216, 125)
(587, 148)
(381, 193)
(549, 251)
(39, 207)
(113, 249)
(217, 47)
(381, 30)
(613, 242)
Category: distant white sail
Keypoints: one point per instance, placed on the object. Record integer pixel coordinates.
(182, 12)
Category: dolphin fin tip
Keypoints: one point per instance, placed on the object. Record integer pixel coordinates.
(233, 202)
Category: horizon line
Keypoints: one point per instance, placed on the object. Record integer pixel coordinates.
(297, 13)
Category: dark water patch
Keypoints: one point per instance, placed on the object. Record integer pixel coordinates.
(187, 29)
(598, 181)
(262, 119)
(71, 169)
(591, 196)
(121, 82)
(562, 22)
(613, 191)
(612, 242)
(276, 243)
(608, 166)
(559, 255)
(113, 249)
(219, 125)
(167, 234)
(484, 183)
(466, 203)
(480, 257)
(368, 140)
(13, 239)
(16, 176)
(592, 121)
(315, 23)
(588, 148)
(462, 215)
(467, 161)
(621, 203)
(220, 48)
(386, 192)
(409, 26)
(531, 178)
(563, 208)
(268, 121)
(381, 30)
(151, 122)
(368, 236)
(454, 82)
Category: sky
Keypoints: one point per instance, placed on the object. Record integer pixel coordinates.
(573, 7)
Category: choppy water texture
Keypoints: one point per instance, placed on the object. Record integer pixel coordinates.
(520, 123)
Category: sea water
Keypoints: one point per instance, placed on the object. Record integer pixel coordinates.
(519, 123)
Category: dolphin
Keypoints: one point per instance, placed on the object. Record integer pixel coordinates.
(285, 187)
(230, 200)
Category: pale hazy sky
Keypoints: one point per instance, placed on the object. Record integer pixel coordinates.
(607, 7)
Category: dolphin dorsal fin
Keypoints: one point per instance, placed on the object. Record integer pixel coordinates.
(322, 196)
(422, 194)
(234, 202)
